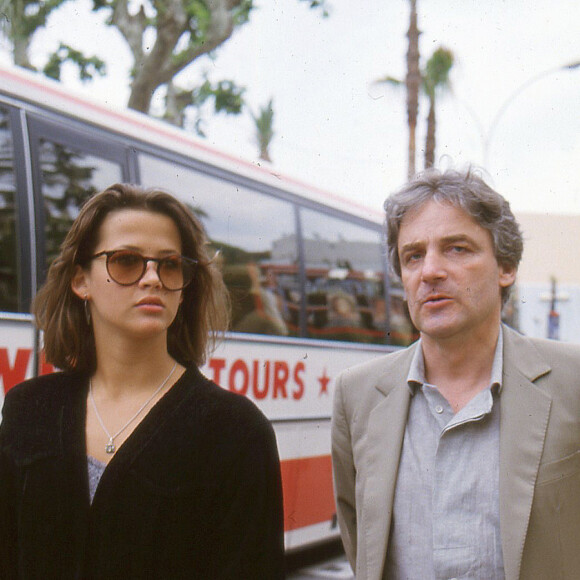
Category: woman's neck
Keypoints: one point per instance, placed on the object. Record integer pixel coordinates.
(130, 366)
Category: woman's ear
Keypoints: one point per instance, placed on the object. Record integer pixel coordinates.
(79, 284)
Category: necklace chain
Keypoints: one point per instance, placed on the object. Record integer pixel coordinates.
(110, 446)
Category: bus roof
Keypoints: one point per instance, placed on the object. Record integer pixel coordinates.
(39, 91)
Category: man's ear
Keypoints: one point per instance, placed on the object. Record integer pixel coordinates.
(507, 275)
(79, 283)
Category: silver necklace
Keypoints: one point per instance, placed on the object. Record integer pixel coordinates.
(110, 446)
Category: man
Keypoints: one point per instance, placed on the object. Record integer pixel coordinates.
(459, 457)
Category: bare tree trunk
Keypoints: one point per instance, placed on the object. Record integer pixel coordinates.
(142, 89)
(173, 113)
(21, 49)
(265, 154)
(413, 83)
(161, 63)
(430, 140)
(20, 40)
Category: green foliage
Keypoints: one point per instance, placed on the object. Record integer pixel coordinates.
(88, 66)
(265, 129)
(242, 12)
(322, 4)
(264, 121)
(98, 4)
(26, 16)
(227, 98)
(434, 77)
(20, 19)
(164, 37)
(199, 19)
(389, 80)
(436, 73)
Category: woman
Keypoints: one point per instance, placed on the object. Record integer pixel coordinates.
(130, 464)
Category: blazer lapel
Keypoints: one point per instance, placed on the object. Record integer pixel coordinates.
(386, 429)
(525, 410)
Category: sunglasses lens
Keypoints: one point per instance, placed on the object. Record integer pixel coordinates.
(125, 267)
(172, 272)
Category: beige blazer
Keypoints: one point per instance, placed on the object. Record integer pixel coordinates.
(539, 457)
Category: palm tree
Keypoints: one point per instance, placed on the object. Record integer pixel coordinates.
(412, 84)
(435, 78)
(264, 130)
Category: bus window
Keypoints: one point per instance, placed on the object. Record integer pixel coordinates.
(68, 176)
(8, 238)
(255, 235)
(345, 280)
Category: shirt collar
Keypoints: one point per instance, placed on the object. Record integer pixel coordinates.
(416, 376)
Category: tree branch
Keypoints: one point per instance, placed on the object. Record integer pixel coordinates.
(162, 64)
(131, 27)
(220, 28)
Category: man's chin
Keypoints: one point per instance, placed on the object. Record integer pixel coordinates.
(441, 330)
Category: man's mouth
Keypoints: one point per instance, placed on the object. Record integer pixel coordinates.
(435, 299)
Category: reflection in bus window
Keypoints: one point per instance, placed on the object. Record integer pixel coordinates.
(69, 177)
(345, 280)
(402, 332)
(8, 238)
(255, 236)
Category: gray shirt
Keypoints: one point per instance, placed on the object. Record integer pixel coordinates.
(446, 508)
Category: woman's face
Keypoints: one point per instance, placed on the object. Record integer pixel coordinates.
(144, 309)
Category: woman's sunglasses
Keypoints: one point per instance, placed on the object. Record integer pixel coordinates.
(127, 267)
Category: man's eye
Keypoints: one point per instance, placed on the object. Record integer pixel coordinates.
(412, 257)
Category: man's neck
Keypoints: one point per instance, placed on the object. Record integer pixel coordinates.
(460, 369)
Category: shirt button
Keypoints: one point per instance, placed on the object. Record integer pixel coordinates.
(439, 409)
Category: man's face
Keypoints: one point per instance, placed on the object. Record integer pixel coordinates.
(451, 277)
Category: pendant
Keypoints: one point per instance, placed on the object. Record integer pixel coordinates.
(110, 446)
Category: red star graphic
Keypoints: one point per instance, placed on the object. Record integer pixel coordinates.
(323, 380)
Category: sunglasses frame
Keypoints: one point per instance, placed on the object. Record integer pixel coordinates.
(145, 260)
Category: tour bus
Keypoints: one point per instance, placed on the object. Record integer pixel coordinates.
(306, 270)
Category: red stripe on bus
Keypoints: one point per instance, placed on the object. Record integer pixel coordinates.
(308, 494)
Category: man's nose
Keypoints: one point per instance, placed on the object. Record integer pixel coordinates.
(433, 267)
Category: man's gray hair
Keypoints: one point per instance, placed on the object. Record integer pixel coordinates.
(467, 191)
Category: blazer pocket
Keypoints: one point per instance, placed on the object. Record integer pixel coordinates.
(557, 470)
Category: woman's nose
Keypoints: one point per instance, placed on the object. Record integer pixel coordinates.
(151, 275)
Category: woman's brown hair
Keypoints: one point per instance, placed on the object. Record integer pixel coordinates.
(204, 311)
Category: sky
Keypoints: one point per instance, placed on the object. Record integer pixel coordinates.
(511, 109)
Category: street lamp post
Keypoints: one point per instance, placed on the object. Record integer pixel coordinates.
(487, 137)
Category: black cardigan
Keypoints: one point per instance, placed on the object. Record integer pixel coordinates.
(194, 492)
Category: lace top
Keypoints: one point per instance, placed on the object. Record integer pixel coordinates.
(96, 469)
